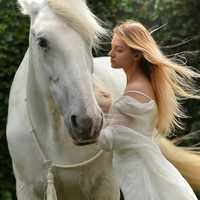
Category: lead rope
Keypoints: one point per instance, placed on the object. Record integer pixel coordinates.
(50, 193)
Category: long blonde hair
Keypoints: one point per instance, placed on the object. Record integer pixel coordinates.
(169, 79)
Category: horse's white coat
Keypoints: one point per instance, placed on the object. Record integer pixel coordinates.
(34, 88)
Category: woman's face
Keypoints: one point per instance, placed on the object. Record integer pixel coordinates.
(121, 54)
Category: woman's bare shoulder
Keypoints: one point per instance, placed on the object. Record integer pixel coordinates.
(143, 87)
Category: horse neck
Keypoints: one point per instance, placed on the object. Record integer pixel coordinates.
(48, 123)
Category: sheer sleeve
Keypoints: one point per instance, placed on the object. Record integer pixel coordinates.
(123, 123)
(105, 140)
(109, 134)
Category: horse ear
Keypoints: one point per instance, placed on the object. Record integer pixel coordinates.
(30, 7)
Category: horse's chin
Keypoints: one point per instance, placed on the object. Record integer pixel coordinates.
(84, 142)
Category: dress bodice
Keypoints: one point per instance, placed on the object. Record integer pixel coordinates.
(130, 112)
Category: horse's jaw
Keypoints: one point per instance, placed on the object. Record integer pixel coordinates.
(48, 123)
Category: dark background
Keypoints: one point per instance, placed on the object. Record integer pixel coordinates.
(180, 36)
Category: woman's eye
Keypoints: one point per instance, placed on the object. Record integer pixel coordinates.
(119, 49)
(43, 43)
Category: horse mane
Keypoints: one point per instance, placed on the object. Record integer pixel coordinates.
(78, 15)
(75, 12)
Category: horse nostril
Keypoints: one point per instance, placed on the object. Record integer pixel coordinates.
(74, 122)
(82, 123)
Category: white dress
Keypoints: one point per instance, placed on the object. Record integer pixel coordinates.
(143, 171)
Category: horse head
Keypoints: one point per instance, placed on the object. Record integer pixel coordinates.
(62, 35)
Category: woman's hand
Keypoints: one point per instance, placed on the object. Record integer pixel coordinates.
(104, 98)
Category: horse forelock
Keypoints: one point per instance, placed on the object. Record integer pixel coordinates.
(77, 14)
(28, 7)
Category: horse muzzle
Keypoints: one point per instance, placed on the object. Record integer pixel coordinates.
(85, 130)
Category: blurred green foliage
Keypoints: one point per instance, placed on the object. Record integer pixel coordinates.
(182, 22)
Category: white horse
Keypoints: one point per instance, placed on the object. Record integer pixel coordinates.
(52, 107)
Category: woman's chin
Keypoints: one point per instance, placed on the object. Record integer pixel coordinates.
(115, 66)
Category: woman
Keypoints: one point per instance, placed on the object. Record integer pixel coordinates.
(147, 111)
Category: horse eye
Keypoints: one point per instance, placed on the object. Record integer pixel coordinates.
(43, 43)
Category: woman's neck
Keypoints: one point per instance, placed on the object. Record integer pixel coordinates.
(133, 72)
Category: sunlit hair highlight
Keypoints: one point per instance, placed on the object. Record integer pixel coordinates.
(171, 81)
